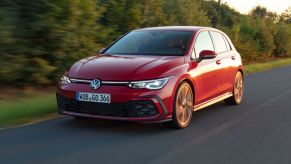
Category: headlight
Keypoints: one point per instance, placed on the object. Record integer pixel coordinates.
(65, 80)
(150, 84)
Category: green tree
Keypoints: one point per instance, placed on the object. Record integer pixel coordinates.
(282, 40)
(259, 12)
(264, 39)
(153, 13)
(44, 37)
(120, 16)
(40, 38)
(220, 14)
(184, 12)
(285, 17)
(242, 36)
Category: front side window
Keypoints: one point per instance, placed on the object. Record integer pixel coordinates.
(152, 42)
(203, 42)
(219, 42)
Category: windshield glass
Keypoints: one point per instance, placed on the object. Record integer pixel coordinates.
(168, 43)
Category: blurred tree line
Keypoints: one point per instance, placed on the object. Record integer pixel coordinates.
(39, 39)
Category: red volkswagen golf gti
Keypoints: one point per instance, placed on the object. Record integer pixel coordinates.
(154, 75)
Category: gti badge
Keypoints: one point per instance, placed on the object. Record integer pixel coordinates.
(95, 84)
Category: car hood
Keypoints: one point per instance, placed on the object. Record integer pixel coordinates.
(125, 67)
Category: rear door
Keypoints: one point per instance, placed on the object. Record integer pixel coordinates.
(224, 56)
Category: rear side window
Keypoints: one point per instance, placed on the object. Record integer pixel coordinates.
(219, 42)
(227, 43)
(203, 42)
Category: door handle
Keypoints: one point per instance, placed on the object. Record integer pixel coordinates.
(218, 62)
(233, 57)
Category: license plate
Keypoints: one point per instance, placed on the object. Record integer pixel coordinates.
(93, 97)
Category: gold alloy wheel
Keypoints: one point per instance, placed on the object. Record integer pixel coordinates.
(184, 105)
(238, 87)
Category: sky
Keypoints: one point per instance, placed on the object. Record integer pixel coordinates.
(244, 6)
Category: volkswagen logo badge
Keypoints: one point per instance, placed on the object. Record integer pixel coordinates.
(95, 84)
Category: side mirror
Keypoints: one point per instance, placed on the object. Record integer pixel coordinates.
(207, 54)
(101, 51)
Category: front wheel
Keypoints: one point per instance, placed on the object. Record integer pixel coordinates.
(238, 89)
(183, 106)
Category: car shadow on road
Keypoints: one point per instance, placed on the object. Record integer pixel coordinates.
(206, 118)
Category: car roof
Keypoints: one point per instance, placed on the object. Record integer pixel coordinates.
(179, 28)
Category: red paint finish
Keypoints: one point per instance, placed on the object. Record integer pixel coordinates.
(124, 68)
(210, 78)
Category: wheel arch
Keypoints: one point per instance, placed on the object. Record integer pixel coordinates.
(241, 71)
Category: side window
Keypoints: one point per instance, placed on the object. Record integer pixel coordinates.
(203, 42)
(219, 42)
(227, 43)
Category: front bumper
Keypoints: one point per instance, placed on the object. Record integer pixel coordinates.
(128, 107)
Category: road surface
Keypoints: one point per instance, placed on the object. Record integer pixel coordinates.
(257, 132)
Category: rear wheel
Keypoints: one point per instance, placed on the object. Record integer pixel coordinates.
(238, 89)
(183, 106)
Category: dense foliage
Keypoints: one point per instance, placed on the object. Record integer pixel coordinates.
(40, 38)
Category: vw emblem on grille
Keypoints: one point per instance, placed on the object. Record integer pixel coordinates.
(95, 84)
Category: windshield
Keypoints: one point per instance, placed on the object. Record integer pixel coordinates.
(168, 43)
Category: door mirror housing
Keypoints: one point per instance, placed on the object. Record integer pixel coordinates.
(207, 54)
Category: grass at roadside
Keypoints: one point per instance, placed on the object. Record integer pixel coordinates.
(33, 108)
(259, 67)
(26, 110)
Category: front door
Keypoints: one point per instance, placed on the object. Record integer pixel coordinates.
(209, 77)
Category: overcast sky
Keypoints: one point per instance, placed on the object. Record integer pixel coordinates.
(244, 6)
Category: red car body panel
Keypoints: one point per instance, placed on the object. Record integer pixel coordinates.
(129, 67)
(209, 78)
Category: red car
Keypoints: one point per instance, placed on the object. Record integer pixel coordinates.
(154, 75)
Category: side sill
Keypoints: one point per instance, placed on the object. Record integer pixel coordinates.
(212, 101)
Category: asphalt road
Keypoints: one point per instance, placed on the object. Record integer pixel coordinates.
(258, 132)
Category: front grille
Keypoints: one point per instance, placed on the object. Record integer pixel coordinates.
(136, 108)
(113, 83)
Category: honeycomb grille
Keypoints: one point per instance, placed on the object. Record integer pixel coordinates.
(136, 108)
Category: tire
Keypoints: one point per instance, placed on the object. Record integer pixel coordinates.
(79, 118)
(183, 106)
(238, 90)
